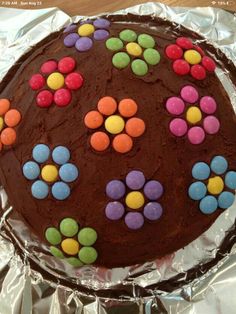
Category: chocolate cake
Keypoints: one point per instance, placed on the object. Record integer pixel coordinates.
(118, 140)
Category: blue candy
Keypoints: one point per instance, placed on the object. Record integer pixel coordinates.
(61, 155)
(197, 191)
(208, 204)
(68, 172)
(201, 171)
(226, 199)
(219, 164)
(31, 170)
(41, 153)
(230, 179)
(39, 189)
(60, 190)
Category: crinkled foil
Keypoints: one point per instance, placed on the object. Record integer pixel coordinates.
(198, 279)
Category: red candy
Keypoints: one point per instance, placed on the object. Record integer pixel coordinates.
(48, 67)
(208, 63)
(44, 98)
(198, 72)
(181, 67)
(184, 43)
(37, 81)
(66, 65)
(198, 49)
(174, 52)
(62, 97)
(74, 80)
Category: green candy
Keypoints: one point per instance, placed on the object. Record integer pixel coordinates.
(139, 67)
(56, 252)
(69, 227)
(53, 236)
(88, 255)
(74, 261)
(120, 60)
(87, 236)
(128, 35)
(114, 44)
(151, 56)
(146, 41)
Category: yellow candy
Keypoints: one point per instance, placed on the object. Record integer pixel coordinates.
(134, 49)
(55, 80)
(1, 123)
(134, 200)
(192, 56)
(49, 173)
(86, 30)
(193, 115)
(114, 124)
(215, 185)
(70, 246)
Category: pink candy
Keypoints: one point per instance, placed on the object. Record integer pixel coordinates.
(48, 67)
(178, 127)
(208, 104)
(211, 124)
(175, 105)
(189, 94)
(196, 135)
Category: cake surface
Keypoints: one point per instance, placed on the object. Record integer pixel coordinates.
(157, 152)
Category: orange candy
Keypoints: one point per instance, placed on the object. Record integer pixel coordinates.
(99, 141)
(122, 143)
(135, 127)
(107, 105)
(127, 107)
(12, 117)
(8, 136)
(4, 106)
(93, 119)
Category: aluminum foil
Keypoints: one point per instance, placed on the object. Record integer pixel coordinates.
(197, 279)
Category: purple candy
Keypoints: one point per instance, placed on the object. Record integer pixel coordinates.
(101, 23)
(100, 34)
(86, 22)
(134, 221)
(152, 211)
(83, 44)
(70, 39)
(153, 190)
(114, 210)
(135, 180)
(115, 189)
(70, 28)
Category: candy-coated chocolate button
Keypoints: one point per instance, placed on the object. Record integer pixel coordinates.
(174, 52)
(115, 189)
(208, 63)
(151, 56)
(201, 171)
(55, 80)
(114, 124)
(44, 98)
(86, 30)
(128, 35)
(219, 164)
(69, 227)
(69, 28)
(4, 106)
(61, 155)
(70, 40)
(101, 23)
(146, 41)
(192, 56)
(135, 180)
(193, 115)
(230, 180)
(122, 143)
(41, 153)
(134, 220)
(197, 191)
(189, 94)
(66, 65)
(74, 261)
(12, 117)
(121, 60)
(196, 135)
(139, 67)
(107, 105)
(184, 42)
(215, 185)
(208, 104)
(226, 199)
(153, 190)
(39, 189)
(49, 173)
(84, 44)
(134, 49)
(70, 246)
(60, 191)
(37, 81)
(153, 211)
(181, 67)
(48, 67)
(93, 119)
(100, 34)
(127, 107)
(62, 97)
(114, 210)
(31, 170)
(208, 204)
(135, 127)
(8, 136)
(175, 105)
(134, 200)
(99, 141)
(87, 236)
(53, 236)
(114, 44)
(178, 127)
(211, 124)
(56, 252)
(1, 123)
(68, 172)
(88, 255)
(198, 72)
(74, 80)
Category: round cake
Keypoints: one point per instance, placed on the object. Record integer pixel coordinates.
(117, 140)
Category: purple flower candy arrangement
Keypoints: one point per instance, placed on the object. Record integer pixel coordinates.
(135, 199)
(82, 37)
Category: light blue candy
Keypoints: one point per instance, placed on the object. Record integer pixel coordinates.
(68, 172)
(60, 190)
(39, 189)
(208, 204)
(230, 180)
(61, 155)
(201, 171)
(219, 164)
(197, 191)
(225, 199)
(41, 153)
(31, 170)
